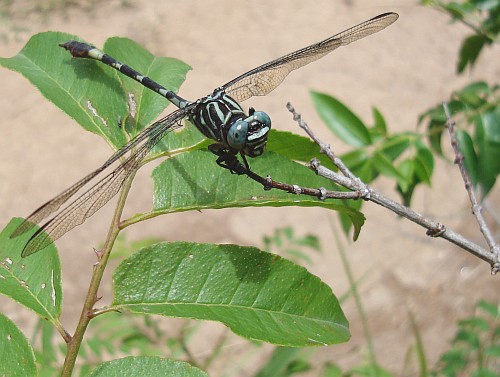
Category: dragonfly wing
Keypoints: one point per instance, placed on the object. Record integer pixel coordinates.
(85, 205)
(265, 78)
(96, 196)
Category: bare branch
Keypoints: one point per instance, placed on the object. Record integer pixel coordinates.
(476, 207)
(361, 190)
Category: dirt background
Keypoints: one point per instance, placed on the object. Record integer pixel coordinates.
(403, 70)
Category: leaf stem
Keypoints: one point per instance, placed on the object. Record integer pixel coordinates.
(91, 298)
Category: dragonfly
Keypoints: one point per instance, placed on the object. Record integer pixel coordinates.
(218, 116)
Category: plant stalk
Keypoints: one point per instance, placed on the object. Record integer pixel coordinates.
(91, 298)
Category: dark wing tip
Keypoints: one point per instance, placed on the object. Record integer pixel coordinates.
(38, 241)
(24, 227)
(389, 15)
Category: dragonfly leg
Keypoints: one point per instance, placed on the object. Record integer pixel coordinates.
(227, 159)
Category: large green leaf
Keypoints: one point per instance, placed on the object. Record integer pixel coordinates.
(91, 92)
(257, 294)
(193, 181)
(16, 356)
(34, 282)
(168, 71)
(146, 367)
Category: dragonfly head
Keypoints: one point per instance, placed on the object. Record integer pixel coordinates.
(249, 135)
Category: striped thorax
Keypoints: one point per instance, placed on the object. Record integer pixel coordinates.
(220, 118)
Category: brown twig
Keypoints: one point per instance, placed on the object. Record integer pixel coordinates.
(476, 207)
(361, 190)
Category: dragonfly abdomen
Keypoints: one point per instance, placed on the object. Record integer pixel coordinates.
(83, 50)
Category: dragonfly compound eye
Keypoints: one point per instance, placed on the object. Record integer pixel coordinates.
(237, 135)
(262, 118)
(260, 124)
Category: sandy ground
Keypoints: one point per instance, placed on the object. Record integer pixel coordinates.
(403, 71)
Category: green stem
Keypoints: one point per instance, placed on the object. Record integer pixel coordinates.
(357, 299)
(91, 298)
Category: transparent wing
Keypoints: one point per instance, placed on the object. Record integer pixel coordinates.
(96, 196)
(264, 79)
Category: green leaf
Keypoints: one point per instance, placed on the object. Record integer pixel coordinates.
(477, 324)
(424, 163)
(469, 52)
(394, 146)
(146, 366)
(469, 338)
(193, 181)
(407, 184)
(485, 4)
(436, 122)
(285, 243)
(491, 123)
(66, 83)
(370, 370)
(355, 158)
(488, 307)
(366, 172)
(47, 353)
(17, 357)
(257, 294)
(341, 120)
(493, 350)
(89, 91)
(284, 362)
(295, 147)
(406, 171)
(488, 146)
(35, 281)
(435, 134)
(331, 370)
(309, 240)
(385, 166)
(474, 94)
(484, 372)
(470, 157)
(380, 127)
(169, 71)
(345, 221)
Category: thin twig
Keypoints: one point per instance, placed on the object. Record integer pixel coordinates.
(476, 207)
(361, 190)
(320, 193)
(323, 147)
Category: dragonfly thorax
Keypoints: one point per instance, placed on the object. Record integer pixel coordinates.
(220, 118)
